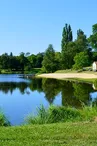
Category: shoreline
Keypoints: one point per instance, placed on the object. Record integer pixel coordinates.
(70, 76)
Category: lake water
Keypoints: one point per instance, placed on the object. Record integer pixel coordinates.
(20, 97)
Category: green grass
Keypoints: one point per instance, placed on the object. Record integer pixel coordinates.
(3, 119)
(72, 128)
(57, 114)
(75, 71)
(61, 134)
(66, 71)
(80, 80)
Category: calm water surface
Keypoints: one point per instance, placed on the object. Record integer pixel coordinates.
(19, 96)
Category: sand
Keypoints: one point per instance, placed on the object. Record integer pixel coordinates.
(69, 75)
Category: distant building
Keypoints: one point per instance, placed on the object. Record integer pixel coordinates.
(94, 66)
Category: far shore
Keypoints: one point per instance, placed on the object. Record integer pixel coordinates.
(68, 75)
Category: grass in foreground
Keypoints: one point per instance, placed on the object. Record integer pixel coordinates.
(56, 114)
(62, 134)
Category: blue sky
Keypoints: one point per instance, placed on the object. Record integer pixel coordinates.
(31, 25)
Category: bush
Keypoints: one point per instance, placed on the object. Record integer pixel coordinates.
(3, 120)
(41, 118)
(56, 114)
(63, 114)
(53, 114)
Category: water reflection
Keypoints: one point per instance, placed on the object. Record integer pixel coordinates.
(6, 87)
(72, 93)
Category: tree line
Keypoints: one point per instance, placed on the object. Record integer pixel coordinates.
(74, 54)
(22, 62)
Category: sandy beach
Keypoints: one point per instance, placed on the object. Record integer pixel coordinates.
(68, 75)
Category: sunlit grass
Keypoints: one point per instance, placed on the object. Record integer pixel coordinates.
(59, 134)
(56, 114)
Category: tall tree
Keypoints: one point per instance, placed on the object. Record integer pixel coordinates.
(81, 42)
(48, 63)
(93, 37)
(66, 38)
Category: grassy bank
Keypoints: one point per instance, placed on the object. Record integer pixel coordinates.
(69, 127)
(57, 114)
(62, 134)
(79, 80)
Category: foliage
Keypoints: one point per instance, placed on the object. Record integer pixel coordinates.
(66, 38)
(42, 117)
(93, 38)
(49, 64)
(23, 62)
(81, 60)
(55, 114)
(3, 120)
(81, 42)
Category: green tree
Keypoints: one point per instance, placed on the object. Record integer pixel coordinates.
(58, 60)
(23, 61)
(81, 41)
(39, 59)
(32, 60)
(66, 38)
(4, 61)
(81, 60)
(70, 54)
(49, 64)
(93, 38)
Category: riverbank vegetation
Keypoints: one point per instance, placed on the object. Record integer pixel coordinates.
(57, 114)
(75, 54)
(3, 119)
(69, 126)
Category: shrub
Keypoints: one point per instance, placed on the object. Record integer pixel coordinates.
(3, 120)
(56, 114)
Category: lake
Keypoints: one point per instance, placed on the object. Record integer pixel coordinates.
(20, 97)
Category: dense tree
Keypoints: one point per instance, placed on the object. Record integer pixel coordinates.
(32, 60)
(66, 38)
(93, 38)
(58, 60)
(4, 61)
(49, 64)
(81, 41)
(81, 60)
(39, 59)
(69, 55)
(23, 61)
